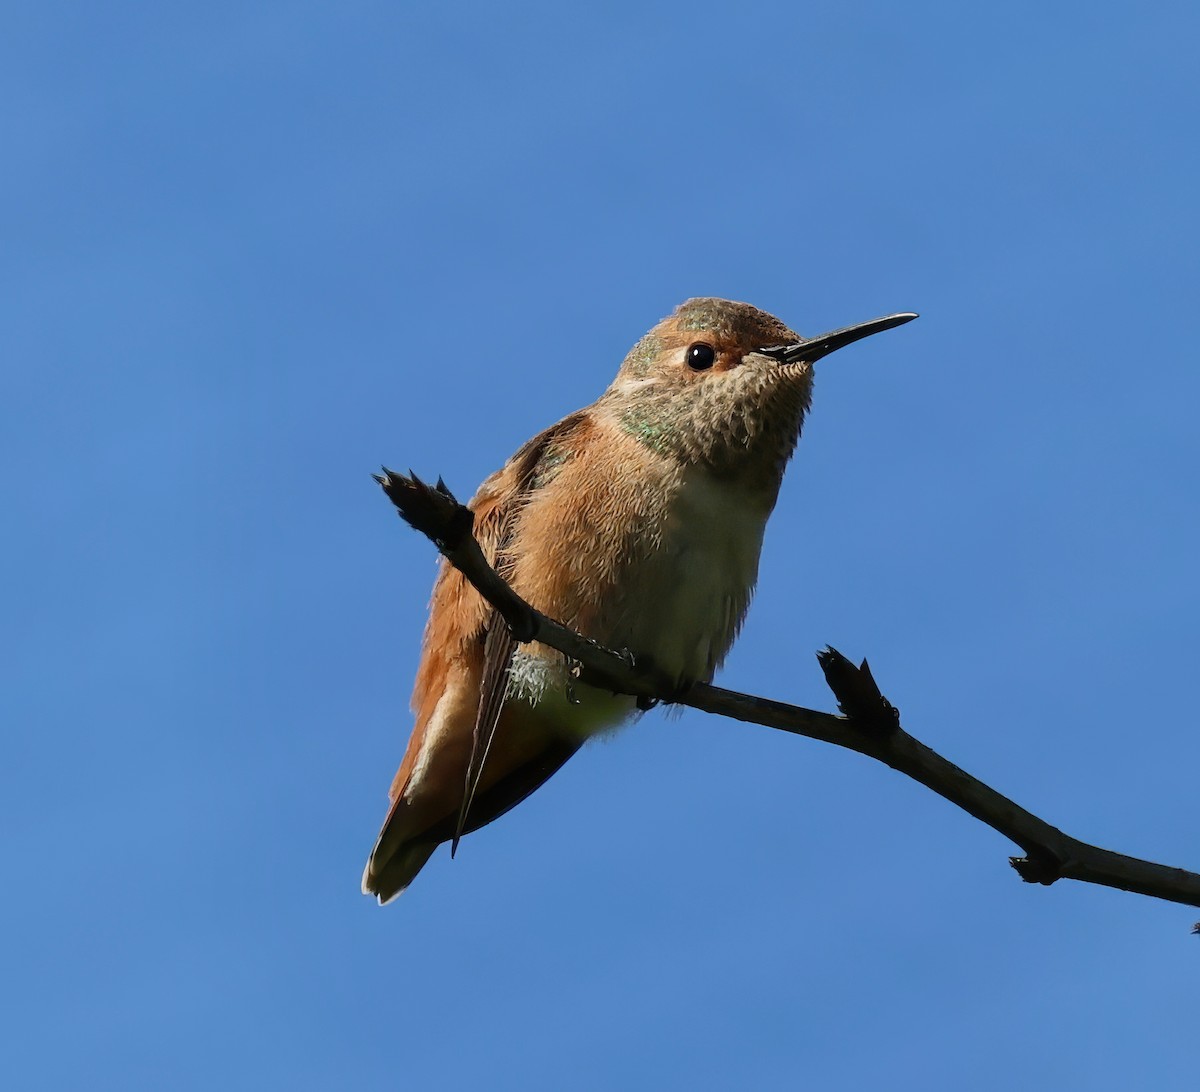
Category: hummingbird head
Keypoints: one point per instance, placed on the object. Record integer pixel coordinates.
(725, 384)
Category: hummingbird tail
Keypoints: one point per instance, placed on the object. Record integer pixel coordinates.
(402, 851)
(386, 878)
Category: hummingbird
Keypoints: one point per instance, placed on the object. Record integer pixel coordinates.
(638, 522)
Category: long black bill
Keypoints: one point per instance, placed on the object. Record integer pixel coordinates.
(816, 347)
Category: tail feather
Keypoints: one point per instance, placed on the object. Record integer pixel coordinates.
(401, 852)
(387, 877)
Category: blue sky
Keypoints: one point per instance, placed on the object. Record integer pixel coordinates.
(253, 251)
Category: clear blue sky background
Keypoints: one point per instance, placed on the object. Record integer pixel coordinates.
(252, 251)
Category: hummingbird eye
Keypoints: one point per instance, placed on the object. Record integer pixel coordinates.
(700, 357)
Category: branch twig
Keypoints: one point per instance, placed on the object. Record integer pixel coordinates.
(870, 724)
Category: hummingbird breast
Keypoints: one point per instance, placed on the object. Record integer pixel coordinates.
(639, 551)
(689, 595)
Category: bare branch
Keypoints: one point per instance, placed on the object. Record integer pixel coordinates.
(870, 724)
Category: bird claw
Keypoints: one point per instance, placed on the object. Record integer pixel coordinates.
(574, 672)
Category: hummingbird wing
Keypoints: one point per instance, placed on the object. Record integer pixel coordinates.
(466, 644)
(498, 649)
(522, 472)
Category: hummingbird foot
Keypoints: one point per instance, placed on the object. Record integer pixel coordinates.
(574, 672)
(667, 688)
